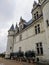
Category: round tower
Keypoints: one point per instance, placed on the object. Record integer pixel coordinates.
(45, 10)
(10, 42)
(16, 28)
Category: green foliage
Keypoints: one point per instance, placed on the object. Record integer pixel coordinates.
(2, 55)
(17, 54)
(20, 54)
(29, 54)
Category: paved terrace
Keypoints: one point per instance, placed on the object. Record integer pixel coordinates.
(12, 62)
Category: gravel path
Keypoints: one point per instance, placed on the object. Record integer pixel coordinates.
(12, 62)
(9, 62)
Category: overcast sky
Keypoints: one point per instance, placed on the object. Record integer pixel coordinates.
(10, 13)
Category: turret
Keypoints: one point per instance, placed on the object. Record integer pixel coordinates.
(16, 28)
(10, 42)
(45, 9)
(11, 30)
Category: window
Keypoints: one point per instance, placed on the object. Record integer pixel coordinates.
(37, 29)
(39, 48)
(19, 48)
(36, 15)
(47, 22)
(20, 37)
(10, 48)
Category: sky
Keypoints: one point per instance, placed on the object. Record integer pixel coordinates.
(10, 13)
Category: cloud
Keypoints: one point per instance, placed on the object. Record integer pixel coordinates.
(10, 12)
(7, 8)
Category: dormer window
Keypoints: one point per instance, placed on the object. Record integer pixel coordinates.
(47, 22)
(21, 24)
(36, 15)
(21, 27)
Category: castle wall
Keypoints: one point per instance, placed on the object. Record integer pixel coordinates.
(9, 46)
(46, 17)
(29, 40)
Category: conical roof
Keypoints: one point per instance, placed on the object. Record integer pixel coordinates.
(22, 20)
(35, 3)
(16, 26)
(11, 28)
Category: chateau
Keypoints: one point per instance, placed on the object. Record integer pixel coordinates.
(31, 35)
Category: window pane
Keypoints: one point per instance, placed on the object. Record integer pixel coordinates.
(38, 52)
(37, 14)
(41, 49)
(37, 45)
(40, 44)
(35, 29)
(38, 28)
(34, 16)
(38, 25)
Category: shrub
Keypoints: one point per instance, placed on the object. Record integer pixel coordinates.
(20, 54)
(29, 54)
(2, 55)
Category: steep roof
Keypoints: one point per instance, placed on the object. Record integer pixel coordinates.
(16, 26)
(29, 22)
(11, 28)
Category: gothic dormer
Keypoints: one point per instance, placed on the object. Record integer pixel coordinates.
(21, 23)
(11, 30)
(36, 10)
(16, 28)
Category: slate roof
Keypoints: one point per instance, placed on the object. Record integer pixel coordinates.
(12, 28)
(29, 22)
(16, 26)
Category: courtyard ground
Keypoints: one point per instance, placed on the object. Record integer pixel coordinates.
(12, 62)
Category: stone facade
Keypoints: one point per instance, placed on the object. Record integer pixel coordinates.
(32, 35)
